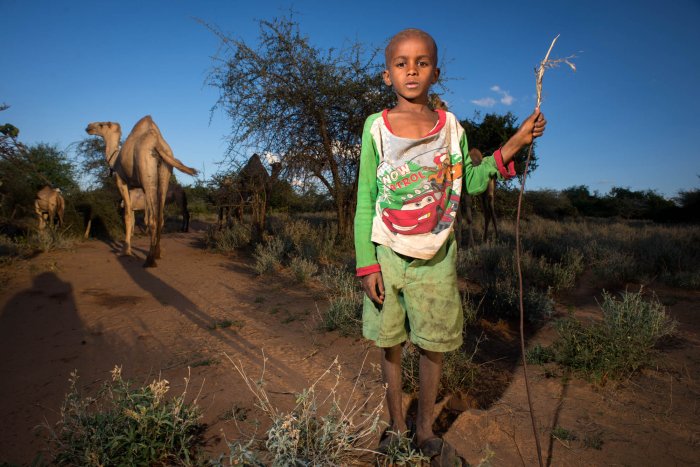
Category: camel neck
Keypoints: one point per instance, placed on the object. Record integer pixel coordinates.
(111, 151)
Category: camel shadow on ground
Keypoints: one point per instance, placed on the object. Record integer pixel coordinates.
(168, 295)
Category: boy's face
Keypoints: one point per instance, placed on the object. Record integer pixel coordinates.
(411, 67)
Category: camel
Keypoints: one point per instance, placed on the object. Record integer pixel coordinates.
(50, 203)
(487, 203)
(144, 161)
(251, 186)
(175, 195)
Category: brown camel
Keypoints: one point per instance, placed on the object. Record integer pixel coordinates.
(251, 187)
(144, 161)
(487, 203)
(176, 195)
(50, 203)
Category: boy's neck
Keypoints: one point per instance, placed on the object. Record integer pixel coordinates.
(412, 119)
(418, 106)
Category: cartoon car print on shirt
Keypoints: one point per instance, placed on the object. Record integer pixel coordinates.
(416, 216)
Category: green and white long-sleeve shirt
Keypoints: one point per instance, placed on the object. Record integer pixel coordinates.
(409, 190)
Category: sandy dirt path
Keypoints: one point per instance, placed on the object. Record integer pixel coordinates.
(90, 309)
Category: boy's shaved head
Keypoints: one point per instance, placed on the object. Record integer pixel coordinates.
(406, 33)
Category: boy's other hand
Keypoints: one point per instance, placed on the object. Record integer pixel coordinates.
(533, 127)
(373, 285)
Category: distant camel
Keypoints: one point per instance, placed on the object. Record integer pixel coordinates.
(176, 195)
(487, 202)
(250, 187)
(49, 202)
(144, 161)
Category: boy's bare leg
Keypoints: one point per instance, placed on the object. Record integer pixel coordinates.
(391, 369)
(430, 368)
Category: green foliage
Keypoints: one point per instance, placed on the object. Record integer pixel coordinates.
(302, 269)
(620, 344)
(268, 255)
(125, 426)
(229, 238)
(459, 372)
(401, 451)
(25, 170)
(345, 302)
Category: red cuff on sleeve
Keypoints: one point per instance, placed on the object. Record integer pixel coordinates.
(505, 171)
(367, 270)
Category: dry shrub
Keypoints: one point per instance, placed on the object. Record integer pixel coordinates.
(322, 429)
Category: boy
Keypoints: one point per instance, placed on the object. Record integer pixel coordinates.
(412, 172)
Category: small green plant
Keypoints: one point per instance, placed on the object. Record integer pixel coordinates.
(268, 256)
(593, 440)
(302, 269)
(621, 343)
(51, 239)
(539, 355)
(345, 302)
(226, 323)
(125, 426)
(562, 434)
(228, 239)
(459, 372)
(319, 430)
(401, 451)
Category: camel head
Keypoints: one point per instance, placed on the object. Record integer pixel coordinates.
(104, 129)
(111, 132)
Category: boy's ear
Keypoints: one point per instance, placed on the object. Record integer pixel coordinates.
(387, 78)
(437, 75)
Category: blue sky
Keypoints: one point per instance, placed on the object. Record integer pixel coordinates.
(628, 117)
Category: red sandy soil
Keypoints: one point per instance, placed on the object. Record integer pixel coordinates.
(90, 309)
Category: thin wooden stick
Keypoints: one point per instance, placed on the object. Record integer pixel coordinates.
(539, 73)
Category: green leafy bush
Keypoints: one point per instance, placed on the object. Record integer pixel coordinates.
(345, 302)
(125, 426)
(228, 239)
(618, 345)
(302, 269)
(268, 256)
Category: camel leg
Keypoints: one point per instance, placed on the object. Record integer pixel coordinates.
(39, 214)
(164, 174)
(128, 216)
(468, 216)
(487, 215)
(492, 207)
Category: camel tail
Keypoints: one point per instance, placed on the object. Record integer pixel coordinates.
(168, 157)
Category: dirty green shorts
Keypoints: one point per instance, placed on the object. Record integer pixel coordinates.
(421, 301)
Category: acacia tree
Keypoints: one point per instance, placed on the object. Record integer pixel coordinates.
(305, 104)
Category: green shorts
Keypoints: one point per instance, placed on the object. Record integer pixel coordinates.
(421, 301)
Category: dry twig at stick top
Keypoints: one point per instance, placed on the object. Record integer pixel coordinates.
(550, 63)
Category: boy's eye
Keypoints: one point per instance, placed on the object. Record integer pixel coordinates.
(423, 63)
(400, 64)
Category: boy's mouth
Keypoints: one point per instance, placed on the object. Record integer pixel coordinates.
(412, 85)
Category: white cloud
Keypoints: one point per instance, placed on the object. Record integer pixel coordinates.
(484, 102)
(505, 99)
